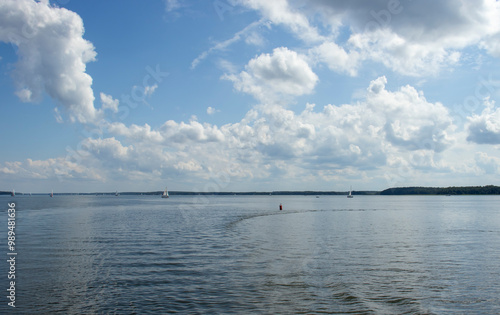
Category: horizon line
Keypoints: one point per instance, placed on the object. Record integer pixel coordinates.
(185, 192)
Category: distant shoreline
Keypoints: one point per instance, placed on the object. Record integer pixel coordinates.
(461, 190)
(465, 190)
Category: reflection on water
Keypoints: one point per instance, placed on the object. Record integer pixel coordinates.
(231, 254)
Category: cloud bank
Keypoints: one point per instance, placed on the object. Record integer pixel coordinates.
(380, 134)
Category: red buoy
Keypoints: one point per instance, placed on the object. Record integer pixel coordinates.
(281, 207)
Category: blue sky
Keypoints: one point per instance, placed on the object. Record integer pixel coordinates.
(237, 95)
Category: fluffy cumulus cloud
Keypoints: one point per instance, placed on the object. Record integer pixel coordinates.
(52, 55)
(271, 76)
(170, 133)
(336, 58)
(485, 128)
(385, 131)
(108, 103)
(410, 37)
(410, 121)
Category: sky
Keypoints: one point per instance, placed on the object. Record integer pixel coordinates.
(248, 95)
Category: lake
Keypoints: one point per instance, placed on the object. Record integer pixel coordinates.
(241, 254)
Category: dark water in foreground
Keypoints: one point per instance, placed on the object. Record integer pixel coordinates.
(235, 254)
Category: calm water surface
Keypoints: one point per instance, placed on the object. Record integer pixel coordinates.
(235, 254)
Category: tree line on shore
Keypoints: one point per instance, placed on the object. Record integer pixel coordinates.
(467, 190)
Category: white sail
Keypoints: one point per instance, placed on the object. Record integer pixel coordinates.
(350, 193)
(165, 193)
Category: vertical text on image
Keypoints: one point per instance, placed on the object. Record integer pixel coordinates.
(11, 253)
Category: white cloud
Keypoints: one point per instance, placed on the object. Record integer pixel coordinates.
(270, 76)
(109, 103)
(49, 169)
(336, 58)
(488, 164)
(402, 55)
(145, 90)
(58, 116)
(255, 39)
(282, 12)
(211, 110)
(172, 5)
(170, 133)
(485, 128)
(52, 55)
(247, 33)
(190, 165)
(136, 133)
(227, 66)
(109, 149)
(411, 121)
(492, 45)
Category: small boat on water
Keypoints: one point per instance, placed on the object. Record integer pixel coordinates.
(350, 193)
(165, 193)
(13, 193)
(52, 193)
(117, 194)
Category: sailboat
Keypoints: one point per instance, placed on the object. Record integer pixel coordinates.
(52, 193)
(165, 193)
(116, 193)
(13, 193)
(350, 193)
